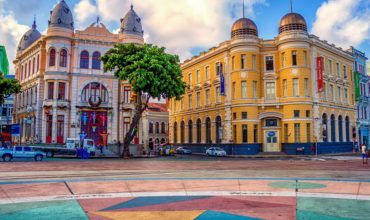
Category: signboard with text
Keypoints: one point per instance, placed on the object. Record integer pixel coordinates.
(320, 84)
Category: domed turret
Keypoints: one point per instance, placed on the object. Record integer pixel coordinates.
(131, 24)
(29, 37)
(292, 22)
(242, 27)
(61, 16)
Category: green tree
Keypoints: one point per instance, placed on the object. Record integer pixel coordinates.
(8, 87)
(152, 73)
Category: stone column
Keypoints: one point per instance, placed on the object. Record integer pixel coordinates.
(55, 96)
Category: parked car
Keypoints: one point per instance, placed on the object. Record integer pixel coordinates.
(183, 150)
(216, 151)
(21, 152)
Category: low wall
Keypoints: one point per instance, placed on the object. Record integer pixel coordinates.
(231, 149)
(323, 148)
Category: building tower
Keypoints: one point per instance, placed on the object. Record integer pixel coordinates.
(131, 30)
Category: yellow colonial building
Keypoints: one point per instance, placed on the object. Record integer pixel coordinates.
(252, 95)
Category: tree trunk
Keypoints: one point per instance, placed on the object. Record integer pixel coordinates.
(139, 109)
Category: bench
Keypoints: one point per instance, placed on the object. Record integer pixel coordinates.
(299, 150)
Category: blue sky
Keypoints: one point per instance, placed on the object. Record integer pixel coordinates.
(188, 27)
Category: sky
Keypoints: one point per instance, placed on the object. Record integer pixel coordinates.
(187, 27)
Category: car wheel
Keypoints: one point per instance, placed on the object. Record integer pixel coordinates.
(49, 154)
(7, 158)
(38, 157)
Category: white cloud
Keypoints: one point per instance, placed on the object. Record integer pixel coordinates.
(11, 32)
(85, 13)
(342, 22)
(180, 25)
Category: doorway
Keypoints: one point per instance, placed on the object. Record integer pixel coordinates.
(271, 141)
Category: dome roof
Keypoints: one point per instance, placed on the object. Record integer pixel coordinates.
(292, 21)
(131, 23)
(61, 16)
(244, 26)
(29, 37)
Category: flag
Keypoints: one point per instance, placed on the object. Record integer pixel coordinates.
(4, 63)
(319, 74)
(222, 81)
(357, 86)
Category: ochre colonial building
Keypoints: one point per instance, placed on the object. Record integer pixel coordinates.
(66, 93)
(250, 95)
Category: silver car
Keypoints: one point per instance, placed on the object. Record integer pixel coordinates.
(216, 151)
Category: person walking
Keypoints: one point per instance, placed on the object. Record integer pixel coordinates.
(364, 154)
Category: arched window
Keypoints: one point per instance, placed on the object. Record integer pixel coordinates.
(332, 128)
(182, 132)
(33, 66)
(325, 127)
(63, 58)
(175, 132)
(52, 57)
(190, 130)
(163, 128)
(163, 141)
(84, 60)
(157, 127)
(96, 61)
(199, 131)
(340, 128)
(208, 130)
(218, 130)
(347, 130)
(93, 92)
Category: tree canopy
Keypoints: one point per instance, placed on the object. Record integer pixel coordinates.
(8, 87)
(149, 69)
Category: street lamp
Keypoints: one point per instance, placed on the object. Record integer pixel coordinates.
(316, 137)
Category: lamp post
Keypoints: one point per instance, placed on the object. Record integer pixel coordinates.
(316, 142)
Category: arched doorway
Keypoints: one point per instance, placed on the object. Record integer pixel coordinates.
(182, 132)
(325, 127)
(190, 131)
(340, 128)
(175, 132)
(218, 130)
(151, 144)
(208, 130)
(199, 131)
(163, 141)
(348, 138)
(332, 128)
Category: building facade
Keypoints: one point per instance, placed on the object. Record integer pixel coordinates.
(362, 96)
(65, 92)
(250, 95)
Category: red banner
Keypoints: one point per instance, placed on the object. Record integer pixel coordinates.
(320, 83)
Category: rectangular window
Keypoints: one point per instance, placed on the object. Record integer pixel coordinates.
(270, 90)
(182, 104)
(61, 90)
(234, 134)
(338, 72)
(305, 58)
(285, 88)
(330, 67)
(198, 76)
(50, 90)
(244, 89)
(245, 133)
(218, 94)
(339, 92)
(308, 132)
(294, 58)
(190, 101)
(346, 95)
(126, 94)
(254, 62)
(306, 87)
(331, 93)
(297, 133)
(255, 133)
(233, 63)
(269, 63)
(296, 113)
(208, 77)
(283, 59)
(217, 68)
(208, 101)
(308, 113)
(234, 115)
(198, 99)
(295, 87)
(271, 123)
(345, 72)
(234, 90)
(286, 133)
(324, 91)
(254, 89)
(243, 61)
(190, 80)
(244, 115)
(60, 127)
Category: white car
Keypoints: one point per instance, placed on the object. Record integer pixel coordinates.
(216, 151)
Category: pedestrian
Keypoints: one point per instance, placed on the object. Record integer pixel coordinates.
(101, 148)
(364, 154)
